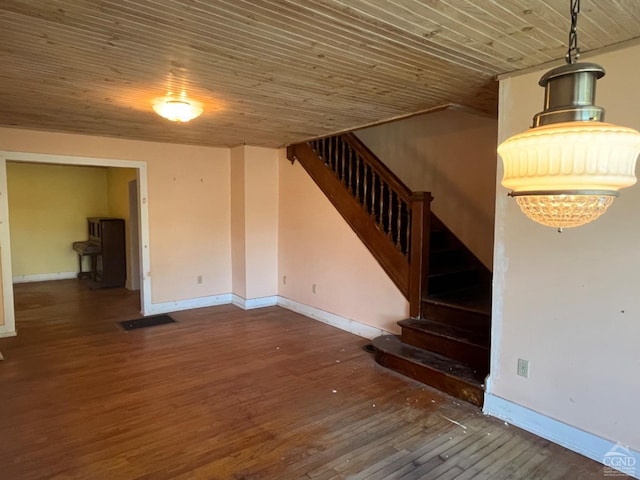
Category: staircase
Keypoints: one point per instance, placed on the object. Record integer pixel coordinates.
(448, 347)
(445, 343)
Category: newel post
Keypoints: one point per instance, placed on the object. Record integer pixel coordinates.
(419, 251)
(291, 153)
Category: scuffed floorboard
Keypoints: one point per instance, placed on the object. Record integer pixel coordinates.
(230, 394)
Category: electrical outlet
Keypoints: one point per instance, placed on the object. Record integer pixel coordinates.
(199, 278)
(314, 288)
(284, 279)
(523, 368)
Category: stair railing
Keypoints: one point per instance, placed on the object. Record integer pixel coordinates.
(400, 217)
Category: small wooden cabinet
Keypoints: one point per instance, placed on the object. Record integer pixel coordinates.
(111, 265)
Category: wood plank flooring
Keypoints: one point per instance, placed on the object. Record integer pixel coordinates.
(231, 394)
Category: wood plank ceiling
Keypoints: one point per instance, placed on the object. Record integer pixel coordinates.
(273, 72)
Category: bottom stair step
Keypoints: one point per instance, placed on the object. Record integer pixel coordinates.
(443, 373)
(469, 346)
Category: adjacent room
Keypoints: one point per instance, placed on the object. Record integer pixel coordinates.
(49, 207)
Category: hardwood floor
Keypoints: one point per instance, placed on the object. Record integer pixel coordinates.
(231, 394)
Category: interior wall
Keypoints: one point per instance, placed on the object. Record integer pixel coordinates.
(118, 198)
(48, 210)
(317, 247)
(2, 318)
(254, 221)
(238, 249)
(189, 205)
(450, 153)
(568, 302)
(261, 221)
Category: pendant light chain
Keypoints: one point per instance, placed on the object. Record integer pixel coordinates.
(573, 53)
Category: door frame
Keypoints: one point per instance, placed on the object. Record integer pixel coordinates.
(9, 327)
(133, 255)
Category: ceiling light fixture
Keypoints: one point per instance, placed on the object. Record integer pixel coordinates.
(567, 169)
(177, 109)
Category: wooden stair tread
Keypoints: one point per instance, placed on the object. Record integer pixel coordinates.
(449, 269)
(476, 299)
(453, 368)
(447, 248)
(477, 337)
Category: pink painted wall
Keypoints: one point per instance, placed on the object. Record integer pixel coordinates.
(569, 302)
(451, 154)
(189, 205)
(254, 221)
(316, 246)
(282, 225)
(261, 221)
(238, 249)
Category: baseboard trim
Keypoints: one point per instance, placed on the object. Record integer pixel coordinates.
(5, 332)
(44, 277)
(200, 302)
(251, 303)
(346, 324)
(584, 443)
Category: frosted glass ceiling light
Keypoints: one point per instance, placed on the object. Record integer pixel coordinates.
(178, 109)
(566, 170)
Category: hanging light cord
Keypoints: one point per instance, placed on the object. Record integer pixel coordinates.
(573, 53)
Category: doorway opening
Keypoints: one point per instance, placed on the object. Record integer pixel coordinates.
(133, 204)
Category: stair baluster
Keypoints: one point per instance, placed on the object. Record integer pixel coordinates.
(381, 196)
(446, 342)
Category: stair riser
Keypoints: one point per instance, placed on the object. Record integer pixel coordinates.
(454, 316)
(475, 356)
(452, 281)
(449, 258)
(438, 239)
(428, 376)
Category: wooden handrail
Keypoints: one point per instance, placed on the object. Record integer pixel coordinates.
(390, 219)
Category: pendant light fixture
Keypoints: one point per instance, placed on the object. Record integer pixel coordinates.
(177, 109)
(567, 169)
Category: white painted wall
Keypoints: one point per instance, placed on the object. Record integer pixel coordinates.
(570, 303)
(450, 153)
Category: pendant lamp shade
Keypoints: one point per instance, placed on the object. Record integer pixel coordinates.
(567, 169)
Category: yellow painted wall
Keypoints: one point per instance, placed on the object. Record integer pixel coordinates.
(48, 210)
(118, 203)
